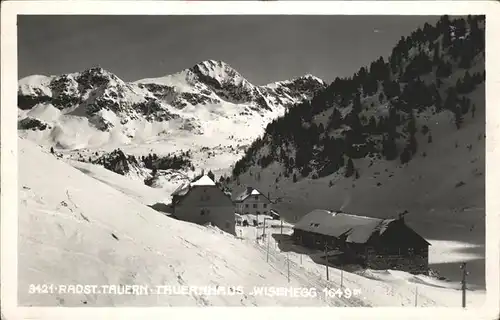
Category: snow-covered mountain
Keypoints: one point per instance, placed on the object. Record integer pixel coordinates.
(95, 108)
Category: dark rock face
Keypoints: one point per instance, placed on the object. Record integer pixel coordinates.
(117, 162)
(26, 102)
(32, 124)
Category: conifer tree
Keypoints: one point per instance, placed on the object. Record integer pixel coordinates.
(356, 104)
(412, 145)
(405, 156)
(211, 175)
(349, 171)
(458, 117)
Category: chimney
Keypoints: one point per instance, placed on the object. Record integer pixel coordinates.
(249, 189)
(401, 216)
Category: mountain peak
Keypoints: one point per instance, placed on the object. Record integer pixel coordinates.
(212, 64)
(98, 70)
(213, 68)
(216, 72)
(310, 77)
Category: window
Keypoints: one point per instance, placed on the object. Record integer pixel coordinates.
(265, 205)
(202, 213)
(264, 212)
(256, 197)
(246, 205)
(255, 205)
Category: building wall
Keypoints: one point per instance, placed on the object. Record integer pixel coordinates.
(413, 263)
(205, 204)
(258, 204)
(314, 240)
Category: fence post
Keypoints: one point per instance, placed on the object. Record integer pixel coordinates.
(341, 277)
(288, 266)
(464, 283)
(326, 257)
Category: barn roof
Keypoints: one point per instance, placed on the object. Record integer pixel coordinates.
(358, 229)
(249, 191)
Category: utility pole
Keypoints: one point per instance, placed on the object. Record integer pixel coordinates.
(281, 230)
(326, 257)
(264, 229)
(416, 295)
(465, 273)
(341, 277)
(288, 266)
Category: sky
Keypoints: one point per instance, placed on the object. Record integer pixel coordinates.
(263, 49)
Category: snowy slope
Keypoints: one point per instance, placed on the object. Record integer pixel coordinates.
(442, 186)
(74, 229)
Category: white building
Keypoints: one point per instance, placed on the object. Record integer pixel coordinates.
(252, 201)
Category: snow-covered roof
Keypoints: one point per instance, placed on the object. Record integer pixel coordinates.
(201, 181)
(249, 192)
(358, 229)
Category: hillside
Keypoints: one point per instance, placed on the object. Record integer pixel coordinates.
(67, 237)
(403, 134)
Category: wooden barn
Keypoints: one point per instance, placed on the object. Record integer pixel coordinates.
(373, 243)
(252, 201)
(201, 201)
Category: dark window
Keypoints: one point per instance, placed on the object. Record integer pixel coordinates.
(246, 205)
(265, 205)
(202, 213)
(258, 212)
(256, 197)
(255, 205)
(264, 212)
